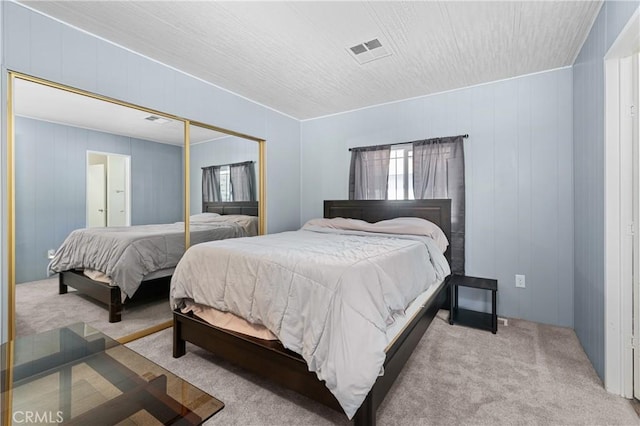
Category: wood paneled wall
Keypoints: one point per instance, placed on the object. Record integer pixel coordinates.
(519, 180)
(589, 148)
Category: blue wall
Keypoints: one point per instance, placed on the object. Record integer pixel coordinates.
(40, 46)
(519, 180)
(50, 171)
(588, 158)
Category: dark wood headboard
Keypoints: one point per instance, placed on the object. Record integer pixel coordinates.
(437, 211)
(248, 208)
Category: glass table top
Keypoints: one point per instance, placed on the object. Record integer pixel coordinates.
(77, 375)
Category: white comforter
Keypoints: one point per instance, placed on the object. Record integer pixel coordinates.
(328, 295)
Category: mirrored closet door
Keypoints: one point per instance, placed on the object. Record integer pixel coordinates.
(104, 198)
(85, 162)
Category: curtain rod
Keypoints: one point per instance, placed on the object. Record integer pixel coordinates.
(465, 136)
(232, 164)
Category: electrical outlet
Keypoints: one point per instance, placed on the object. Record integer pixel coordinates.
(520, 281)
(51, 253)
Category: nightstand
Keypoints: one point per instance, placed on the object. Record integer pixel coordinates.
(467, 317)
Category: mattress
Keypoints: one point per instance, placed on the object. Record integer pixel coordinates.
(231, 322)
(104, 278)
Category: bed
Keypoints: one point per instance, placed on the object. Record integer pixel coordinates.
(111, 264)
(271, 360)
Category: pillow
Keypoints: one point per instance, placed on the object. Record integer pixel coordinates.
(203, 217)
(398, 225)
(338, 223)
(414, 226)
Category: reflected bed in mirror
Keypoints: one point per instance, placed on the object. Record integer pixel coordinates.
(60, 136)
(110, 264)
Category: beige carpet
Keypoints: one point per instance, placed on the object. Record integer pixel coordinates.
(527, 374)
(39, 308)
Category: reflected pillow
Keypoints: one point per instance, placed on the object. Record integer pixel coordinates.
(248, 223)
(204, 217)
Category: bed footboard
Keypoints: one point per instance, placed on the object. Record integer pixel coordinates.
(268, 359)
(62, 287)
(105, 293)
(110, 295)
(272, 361)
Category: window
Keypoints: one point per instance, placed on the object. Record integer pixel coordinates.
(400, 183)
(225, 184)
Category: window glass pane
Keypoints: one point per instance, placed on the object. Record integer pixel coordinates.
(225, 183)
(392, 166)
(410, 175)
(395, 181)
(400, 173)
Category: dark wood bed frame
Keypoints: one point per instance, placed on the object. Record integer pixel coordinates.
(248, 208)
(111, 295)
(272, 361)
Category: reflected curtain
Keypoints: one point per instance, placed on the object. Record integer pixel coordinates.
(243, 181)
(210, 184)
(438, 172)
(369, 172)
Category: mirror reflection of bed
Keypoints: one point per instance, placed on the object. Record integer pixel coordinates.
(113, 265)
(59, 135)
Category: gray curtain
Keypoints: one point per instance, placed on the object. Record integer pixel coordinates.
(210, 184)
(369, 173)
(438, 172)
(243, 181)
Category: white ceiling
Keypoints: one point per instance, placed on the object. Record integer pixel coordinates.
(42, 102)
(292, 56)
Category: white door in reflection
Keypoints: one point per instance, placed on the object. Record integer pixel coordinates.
(117, 190)
(96, 196)
(108, 189)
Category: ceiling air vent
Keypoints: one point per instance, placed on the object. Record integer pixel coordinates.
(368, 51)
(156, 119)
